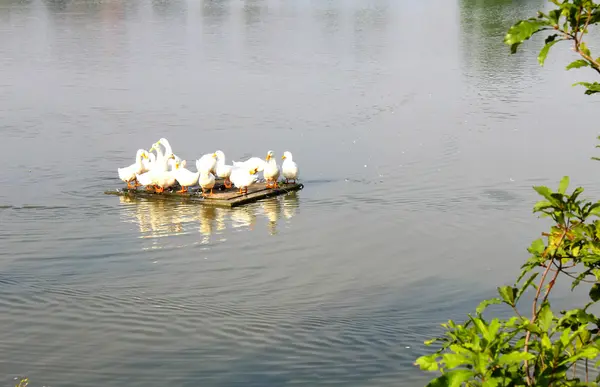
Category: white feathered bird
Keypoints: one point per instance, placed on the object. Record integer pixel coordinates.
(272, 171)
(129, 174)
(289, 169)
(243, 178)
(184, 177)
(223, 171)
(207, 163)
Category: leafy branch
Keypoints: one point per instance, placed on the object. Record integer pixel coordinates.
(568, 22)
(539, 350)
(545, 348)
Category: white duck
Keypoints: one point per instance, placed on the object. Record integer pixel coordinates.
(184, 177)
(148, 162)
(162, 179)
(207, 163)
(153, 166)
(243, 178)
(289, 169)
(129, 174)
(145, 179)
(158, 178)
(206, 181)
(271, 171)
(223, 171)
(163, 158)
(251, 163)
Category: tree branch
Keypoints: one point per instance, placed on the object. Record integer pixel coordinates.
(534, 311)
(587, 23)
(552, 281)
(577, 40)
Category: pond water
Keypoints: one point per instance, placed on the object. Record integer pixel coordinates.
(417, 134)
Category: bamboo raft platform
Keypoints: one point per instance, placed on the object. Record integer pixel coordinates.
(221, 197)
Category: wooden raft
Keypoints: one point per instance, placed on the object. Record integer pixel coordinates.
(221, 197)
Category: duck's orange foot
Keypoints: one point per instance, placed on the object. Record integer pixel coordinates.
(159, 190)
(129, 186)
(227, 183)
(183, 190)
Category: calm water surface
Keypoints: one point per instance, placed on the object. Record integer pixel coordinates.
(418, 136)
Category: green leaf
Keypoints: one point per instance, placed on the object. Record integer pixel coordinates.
(485, 303)
(544, 51)
(545, 192)
(554, 16)
(546, 343)
(454, 360)
(537, 246)
(550, 38)
(525, 286)
(584, 49)
(514, 47)
(428, 362)
(595, 17)
(592, 88)
(563, 185)
(523, 30)
(587, 353)
(493, 328)
(544, 317)
(532, 328)
(494, 382)
(576, 194)
(542, 205)
(482, 328)
(578, 64)
(452, 379)
(515, 358)
(508, 294)
(595, 292)
(595, 210)
(431, 341)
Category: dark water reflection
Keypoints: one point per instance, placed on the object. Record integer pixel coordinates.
(418, 136)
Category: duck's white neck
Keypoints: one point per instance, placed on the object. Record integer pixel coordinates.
(138, 158)
(162, 159)
(167, 145)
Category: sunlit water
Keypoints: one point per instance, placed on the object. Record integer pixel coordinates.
(418, 137)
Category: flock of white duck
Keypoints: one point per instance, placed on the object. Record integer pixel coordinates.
(164, 169)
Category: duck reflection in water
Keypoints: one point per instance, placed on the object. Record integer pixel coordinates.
(160, 218)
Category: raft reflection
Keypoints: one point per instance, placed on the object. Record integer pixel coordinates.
(162, 218)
